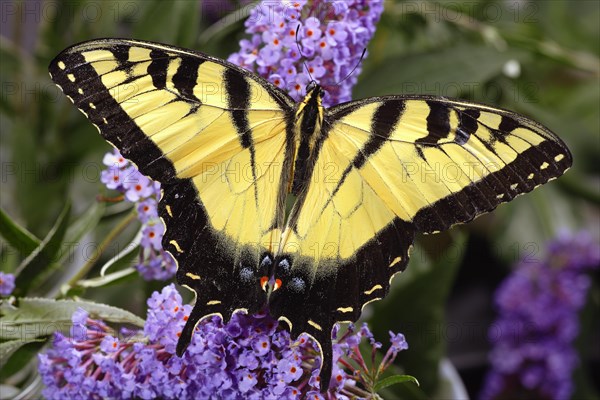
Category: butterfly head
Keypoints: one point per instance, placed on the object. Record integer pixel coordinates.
(312, 101)
(314, 89)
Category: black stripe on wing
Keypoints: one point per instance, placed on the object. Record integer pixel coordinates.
(158, 68)
(384, 122)
(185, 79)
(112, 121)
(535, 166)
(531, 168)
(467, 125)
(438, 125)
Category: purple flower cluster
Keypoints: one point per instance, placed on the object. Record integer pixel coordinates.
(121, 175)
(538, 305)
(332, 37)
(7, 284)
(249, 357)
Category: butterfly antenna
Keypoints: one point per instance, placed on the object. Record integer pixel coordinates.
(302, 55)
(353, 69)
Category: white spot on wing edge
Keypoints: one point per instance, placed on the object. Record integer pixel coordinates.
(374, 288)
(71, 77)
(345, 309)
(286, 320)
(559, 157)
(395, 261)
(176, 245)
(368, 302)
(544, 165)
(213, 302)
(193, 276)
(393, 275)
(61, 65)
(314, 324)
(167, 207)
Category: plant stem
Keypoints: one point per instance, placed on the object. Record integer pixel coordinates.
(117, 230)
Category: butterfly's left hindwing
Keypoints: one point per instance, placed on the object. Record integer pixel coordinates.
(215, 137)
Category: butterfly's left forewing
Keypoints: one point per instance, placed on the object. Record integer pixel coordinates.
(217, 139)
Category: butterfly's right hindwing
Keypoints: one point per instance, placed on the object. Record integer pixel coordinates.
(215, 136)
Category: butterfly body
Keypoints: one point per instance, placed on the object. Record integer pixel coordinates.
(361, 179)
(308, 121)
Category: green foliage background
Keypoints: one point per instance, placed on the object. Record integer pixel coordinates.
(57, 236)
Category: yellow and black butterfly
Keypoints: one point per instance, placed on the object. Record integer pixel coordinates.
(231, 150)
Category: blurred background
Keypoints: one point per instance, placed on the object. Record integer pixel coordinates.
(540, 59)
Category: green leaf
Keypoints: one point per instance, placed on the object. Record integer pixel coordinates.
(393, 380)
(405, 392)
(188, 23)
(12, 62)
(449, 72)
(415, 307)
(17, 236)
(44, 255)
(9, 347)
(39, 317)
(178, 17)
(82, 225)
(221, 37)
(85, 223)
